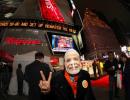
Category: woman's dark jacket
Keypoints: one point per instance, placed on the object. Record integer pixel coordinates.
(61, 90)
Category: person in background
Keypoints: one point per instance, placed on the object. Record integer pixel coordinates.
(121, 66)
(3, 79)
(10, 70)
(32, 76)
(72, 83)
(126, 75)
(84, 65)
(96, 67)
(111, 66)
(20, 78)
(94, 64)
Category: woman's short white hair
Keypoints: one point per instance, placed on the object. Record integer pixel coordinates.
(71, 51)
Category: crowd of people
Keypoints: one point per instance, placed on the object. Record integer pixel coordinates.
(72, 83)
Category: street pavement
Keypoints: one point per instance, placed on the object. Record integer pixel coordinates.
(99, 92)
(102, 94)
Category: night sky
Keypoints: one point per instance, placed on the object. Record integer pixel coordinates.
(111, 9)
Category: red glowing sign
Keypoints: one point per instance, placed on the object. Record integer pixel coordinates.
(50, 11)
(5, 55)
(54, 61)
(17, 41)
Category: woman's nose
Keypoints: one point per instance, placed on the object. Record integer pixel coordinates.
(72, 64)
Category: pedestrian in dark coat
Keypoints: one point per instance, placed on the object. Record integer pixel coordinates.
(111, 67)
(126, 75)
(20, 78)
(33, 77)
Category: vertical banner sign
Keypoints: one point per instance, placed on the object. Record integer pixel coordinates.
(50, 11)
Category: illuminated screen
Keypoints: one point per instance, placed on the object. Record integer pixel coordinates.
(60, 43)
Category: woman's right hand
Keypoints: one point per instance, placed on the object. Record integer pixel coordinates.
(45, 84)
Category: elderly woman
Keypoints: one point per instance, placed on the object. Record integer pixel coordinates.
(72, 83)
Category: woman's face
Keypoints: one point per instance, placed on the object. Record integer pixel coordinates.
(73, 64)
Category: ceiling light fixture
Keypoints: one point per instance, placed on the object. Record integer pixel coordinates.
(7, 15)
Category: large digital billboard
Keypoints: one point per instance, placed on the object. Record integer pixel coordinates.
(60, 43)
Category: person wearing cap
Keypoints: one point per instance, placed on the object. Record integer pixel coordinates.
(72, 83)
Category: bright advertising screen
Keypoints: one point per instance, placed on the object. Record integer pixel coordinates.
(61, 43)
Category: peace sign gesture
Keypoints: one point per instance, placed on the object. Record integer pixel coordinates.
(45, 84)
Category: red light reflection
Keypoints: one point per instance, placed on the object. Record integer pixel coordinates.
(50, 11)
(18, 41)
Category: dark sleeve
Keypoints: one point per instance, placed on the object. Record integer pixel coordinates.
(53, 85)
(93, 64)
(90, 95)
(106, 65)
(46, 69)
(116, 62)
(122, 65)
